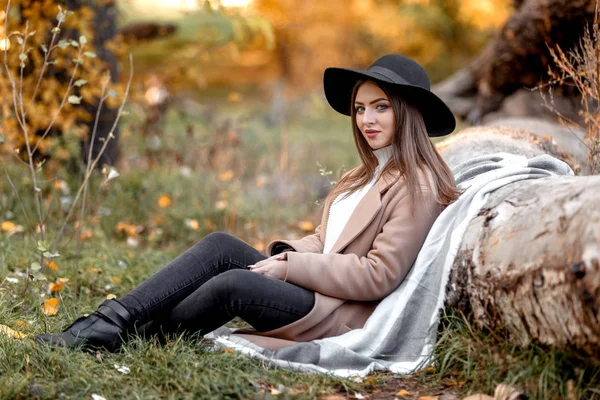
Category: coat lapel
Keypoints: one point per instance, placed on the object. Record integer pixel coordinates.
(365, 211)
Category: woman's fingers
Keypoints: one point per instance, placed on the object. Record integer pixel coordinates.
(266, 261)
(273, 268)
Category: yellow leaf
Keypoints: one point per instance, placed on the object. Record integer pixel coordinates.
(129, 229)
(429, 397)
(221, 204)
(165, 201)
(431, 368)
(403, 392)
(55, 287)
(86, 234)
(229, 350)
(115, 280)
(226, 176)
(24, 324)
(52, 265)
(50, 306)
(158, 220)
(306, 226)
(192, 224)
(234, 97)
(63, 280)
(111, 296)
(11, 334)
(8, 226)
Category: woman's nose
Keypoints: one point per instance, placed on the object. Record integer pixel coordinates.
(369, 116)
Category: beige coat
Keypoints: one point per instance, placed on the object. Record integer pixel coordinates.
(369, 260)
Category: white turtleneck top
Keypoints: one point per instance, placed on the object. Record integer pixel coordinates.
(342, 208)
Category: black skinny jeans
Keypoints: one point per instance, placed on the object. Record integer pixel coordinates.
(210, 284)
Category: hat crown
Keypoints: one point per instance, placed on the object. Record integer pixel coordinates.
(407, 69)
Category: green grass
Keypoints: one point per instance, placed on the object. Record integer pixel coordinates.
(480, 363)
(226, 167)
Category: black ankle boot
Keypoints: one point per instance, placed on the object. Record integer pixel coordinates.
(107, 328)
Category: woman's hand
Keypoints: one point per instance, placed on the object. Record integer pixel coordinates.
(275, 267)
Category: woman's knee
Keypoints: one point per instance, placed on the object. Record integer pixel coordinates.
(231, 284)
(222, 239)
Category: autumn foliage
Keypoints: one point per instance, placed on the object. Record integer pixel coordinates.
(54, 73)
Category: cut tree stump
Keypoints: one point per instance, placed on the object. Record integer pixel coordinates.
(528, 268)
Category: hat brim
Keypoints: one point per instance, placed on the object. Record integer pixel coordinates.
(338, 84)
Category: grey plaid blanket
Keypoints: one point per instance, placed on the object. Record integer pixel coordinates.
(400, 334)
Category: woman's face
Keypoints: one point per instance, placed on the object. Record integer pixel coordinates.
(374, 115)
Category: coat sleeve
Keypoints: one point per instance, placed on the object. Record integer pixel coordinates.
(308, 244)
(374, 276)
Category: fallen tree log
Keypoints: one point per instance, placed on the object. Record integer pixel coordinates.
(517, 57)
(528, 268)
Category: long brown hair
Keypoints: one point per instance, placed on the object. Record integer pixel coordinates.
(411, 148)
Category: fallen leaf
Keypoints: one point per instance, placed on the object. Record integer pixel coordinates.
(55, 287)
(24, 324)
(226, 176)
(221, 204)
(429, 397)
(403, 392)
(193, 224)
(52, 265)
(158, 220)
(129, 229)
(504, 392)
(63, 280)
(165, 201)
(8, 226)
(229, 350)
(10, 333)
(50, 306)
(115, 280)
(111, 296)
(306, 226)
(86, 234)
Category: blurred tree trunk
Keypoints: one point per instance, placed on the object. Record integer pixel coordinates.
(518, 57)
(528, 268)
(104, 29)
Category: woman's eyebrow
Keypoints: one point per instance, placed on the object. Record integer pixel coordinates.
(373, 102)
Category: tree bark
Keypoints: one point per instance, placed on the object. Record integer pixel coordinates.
(105, 29)
(528, 268)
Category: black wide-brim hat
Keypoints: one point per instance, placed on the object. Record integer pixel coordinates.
(399, 71)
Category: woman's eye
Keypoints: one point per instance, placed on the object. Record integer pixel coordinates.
(382, 107)
(359, 109)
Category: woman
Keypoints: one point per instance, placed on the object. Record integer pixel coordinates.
(374, 223)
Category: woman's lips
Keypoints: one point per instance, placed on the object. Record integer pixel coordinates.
(371, 133)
